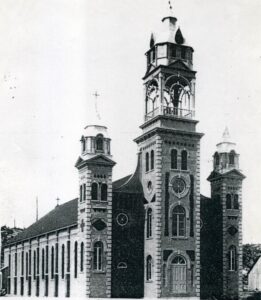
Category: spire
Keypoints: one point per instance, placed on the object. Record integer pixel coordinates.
(169, 13)
(226, 144)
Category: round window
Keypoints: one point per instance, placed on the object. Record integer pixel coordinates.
(178, 185)
(122, 219)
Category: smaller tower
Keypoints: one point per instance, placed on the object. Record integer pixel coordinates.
(95, 209)
(226, 196)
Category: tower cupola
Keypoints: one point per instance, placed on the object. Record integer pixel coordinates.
(95, 140)
(226, 158)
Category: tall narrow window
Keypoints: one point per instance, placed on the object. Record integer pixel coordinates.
(84, 192)
(34, 266)
(149, 223)
(82, 256)
(75, 259)
(46, 259)
(216, 159)
(147, 161)
(26, 265)
(43, 263)
(80, 193)
(68, 256)
(152, 159)
(22, 263)
(99, 142)
(94, 191)
(62, 267)
(37, 261)
(232, 258)
(228, 201)
(179, 221)
(56, 258)
(174, 159)
(97, 256)
(149, 268)
(52, 263)
(164, 275)
(104, 192)
(184, 160)
(30, 262)
(232, 158)
(15, 261)
(236, 203)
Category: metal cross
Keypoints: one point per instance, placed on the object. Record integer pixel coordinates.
(96, 95)
(57, 199)
(170, 5)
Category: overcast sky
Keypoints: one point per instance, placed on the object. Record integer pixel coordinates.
(54, 54)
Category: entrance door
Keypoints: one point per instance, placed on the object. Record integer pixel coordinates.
(179, 275)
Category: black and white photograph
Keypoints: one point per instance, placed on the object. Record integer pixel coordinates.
(130, 144)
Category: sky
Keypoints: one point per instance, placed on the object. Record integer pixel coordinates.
(54, 54)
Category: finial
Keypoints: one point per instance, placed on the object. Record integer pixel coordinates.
(96, 95)
(226, 135)
(57, 200)
(170, 7)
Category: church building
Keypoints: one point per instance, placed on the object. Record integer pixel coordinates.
(149, 234)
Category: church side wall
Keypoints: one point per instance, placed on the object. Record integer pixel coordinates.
(23, 285)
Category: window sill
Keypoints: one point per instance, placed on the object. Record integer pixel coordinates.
(98, 272)
(150, 171)
(149, 281)
(149, 238)
(179, 238)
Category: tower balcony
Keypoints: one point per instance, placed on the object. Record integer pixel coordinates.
(170, 111)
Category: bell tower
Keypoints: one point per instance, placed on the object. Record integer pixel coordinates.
(226, 192)
(169, 147)
(95, 209)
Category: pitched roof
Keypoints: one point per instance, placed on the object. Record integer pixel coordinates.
(61, 216)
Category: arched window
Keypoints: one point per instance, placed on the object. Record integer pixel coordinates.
(228, 201)
(63, 257)
(179, 221)
(149, 223)
(75, 259)
(178, 260)
(99, 142)
(174, 159)
(232, 158)
(122, 265)
(43, 264)
(147, 161)
(152, 159)
(149, 268)
(84, 192)
(104, 193)
(52, 263)
(97, 256)
(236, 203)
(216, 159)
(82, 256)
(184, 160)
(94, 191)
(232, 261)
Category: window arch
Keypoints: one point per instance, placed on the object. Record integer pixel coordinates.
(104, 194)
(179, 221)
(98, 256)
(149, 222)
(149, 268)
(152, 159)
(63, 257)
(52, 262)
(232, 260)
(184, 160)
(82, 256)
(232, 158)
(99, 142)
(147, 161)
(216, 159)
(174, 159)
(228, 201)
(75, 259)
(236, 203)
(94, 191)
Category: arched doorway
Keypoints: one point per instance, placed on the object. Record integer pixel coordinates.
(179, 274)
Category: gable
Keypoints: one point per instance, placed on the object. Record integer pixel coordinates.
(97, 160)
